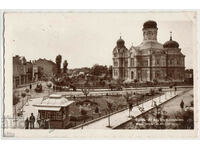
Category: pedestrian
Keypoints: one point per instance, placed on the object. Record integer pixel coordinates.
(32, 121)
(27, 123)
(182, 104)
(175, 88)
(30, 86)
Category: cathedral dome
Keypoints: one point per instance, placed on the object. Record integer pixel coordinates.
(150, 45)
(150, 24)
(171, 44)
(120, 43)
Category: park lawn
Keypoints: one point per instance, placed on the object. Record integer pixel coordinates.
(119, 103)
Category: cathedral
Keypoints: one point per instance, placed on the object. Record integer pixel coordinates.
(150, 60)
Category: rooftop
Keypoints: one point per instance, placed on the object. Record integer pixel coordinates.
(54, 102)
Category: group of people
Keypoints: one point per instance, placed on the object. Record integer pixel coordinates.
(29, 122)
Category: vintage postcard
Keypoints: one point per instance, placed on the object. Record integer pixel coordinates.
(100, 74)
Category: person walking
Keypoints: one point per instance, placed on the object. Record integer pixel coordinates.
(182, 104)
(27, 123)
(32, 121)
(30, 86)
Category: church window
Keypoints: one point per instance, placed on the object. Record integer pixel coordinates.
(157, 75)
(115, 63)
(145, 63)
(132, 62)
(126, 63)
(132, 74)
(171, 61)
(115, 73)
(157, 61)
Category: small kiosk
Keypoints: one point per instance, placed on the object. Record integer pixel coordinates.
(53, 112)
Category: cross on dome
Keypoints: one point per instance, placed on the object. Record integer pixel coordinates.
(170, 35)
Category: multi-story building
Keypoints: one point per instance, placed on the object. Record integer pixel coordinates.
(150, 60)
(44, 67)
(22, 71)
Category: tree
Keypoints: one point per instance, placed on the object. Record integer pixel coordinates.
(85, 90)
(27, 95)
(65, 64)
(109, 105)
(127, 96)
(110, 71)
(98, 70)
(186, 117)
(49, 85)
(23, 96)
(15, 98)
(58, 64)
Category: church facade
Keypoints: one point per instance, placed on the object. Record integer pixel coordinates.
(150, 60)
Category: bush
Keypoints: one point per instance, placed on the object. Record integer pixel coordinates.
(23, 94)
(49, 85)
(192, 104)
(38, 88)
(15, 99)
(27, 90)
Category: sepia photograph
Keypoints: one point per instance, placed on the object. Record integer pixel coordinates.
(71, 73)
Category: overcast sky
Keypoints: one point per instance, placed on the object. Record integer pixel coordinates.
(85, 39)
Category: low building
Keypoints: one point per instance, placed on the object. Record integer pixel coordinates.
(53, 112)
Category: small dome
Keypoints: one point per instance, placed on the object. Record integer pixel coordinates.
(120, 43)
(171, 44)
(150, 24)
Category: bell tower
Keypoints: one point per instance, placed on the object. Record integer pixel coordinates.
(150, 31)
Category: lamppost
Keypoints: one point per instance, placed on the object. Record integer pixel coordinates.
(127, 96)
(170, 90)
(175, 90)
(27, 100)
(15, 102)
(49, 87)
(23, 96)
(109, 104)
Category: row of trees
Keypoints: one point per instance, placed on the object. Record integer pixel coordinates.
(98, 70)
(59, 71)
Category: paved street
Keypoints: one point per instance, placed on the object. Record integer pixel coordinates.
(122, 117)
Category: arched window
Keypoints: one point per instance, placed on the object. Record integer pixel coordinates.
(157, 74)
(115, 63)
(132, 74)
(157, 61)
